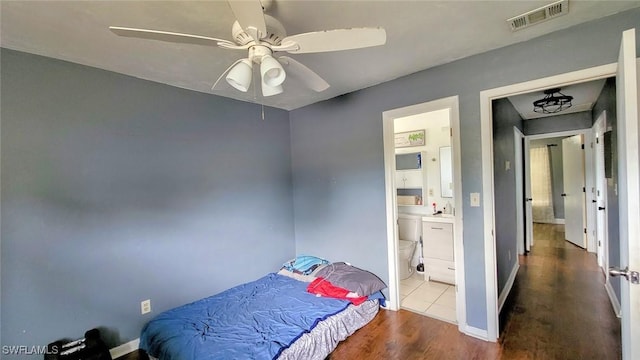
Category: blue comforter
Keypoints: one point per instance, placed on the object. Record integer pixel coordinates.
(256, 320)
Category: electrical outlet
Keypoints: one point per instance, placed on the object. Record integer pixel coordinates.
(145, 306)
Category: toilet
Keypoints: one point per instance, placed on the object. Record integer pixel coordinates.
(409, 232)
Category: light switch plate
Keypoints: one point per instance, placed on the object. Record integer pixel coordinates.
(475, 199)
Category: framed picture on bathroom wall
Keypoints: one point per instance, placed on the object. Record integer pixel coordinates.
(409, 138)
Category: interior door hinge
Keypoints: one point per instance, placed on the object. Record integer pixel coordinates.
(584, 190)
(585, 230)
(582, 146)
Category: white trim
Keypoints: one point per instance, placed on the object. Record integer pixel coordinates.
(125, 348)
(391, 200)
(615, 303)
(458, 244)
(486, 133)
(507, 287)
(590, 196)
(475, 332)
(558, 221)
(392, 208)
(518, 167)
(602, 229)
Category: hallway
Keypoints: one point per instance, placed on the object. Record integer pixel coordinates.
(558, 307)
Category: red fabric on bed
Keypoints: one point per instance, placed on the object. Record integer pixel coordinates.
(322, 287)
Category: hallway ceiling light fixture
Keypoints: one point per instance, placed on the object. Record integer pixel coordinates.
(553, 102)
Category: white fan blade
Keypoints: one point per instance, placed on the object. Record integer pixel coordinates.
(250, 16)
(336, 40)
(308, 76)
(168, 36)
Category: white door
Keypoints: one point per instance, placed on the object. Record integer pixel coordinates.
(573, 192)
(599, 129)
(629, 192)
(528, 210)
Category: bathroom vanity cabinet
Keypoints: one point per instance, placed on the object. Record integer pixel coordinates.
(438, 251)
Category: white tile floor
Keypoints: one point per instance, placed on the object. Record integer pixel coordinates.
(430, 298)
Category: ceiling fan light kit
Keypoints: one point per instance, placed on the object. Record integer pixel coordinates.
(268, 90)
(240, 75)
(263, 35)
(271, 71)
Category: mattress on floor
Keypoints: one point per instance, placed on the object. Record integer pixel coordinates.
(272, 317)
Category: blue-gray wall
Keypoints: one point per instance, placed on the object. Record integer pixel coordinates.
(116, 190)
(337, 147)
(505, 118)
(607, 101)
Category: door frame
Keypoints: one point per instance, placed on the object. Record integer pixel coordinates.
(486, 134)
(602, 253)
(588, 168)
(518, 139)
(392, 207)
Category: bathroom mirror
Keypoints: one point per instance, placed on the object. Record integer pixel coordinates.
(446, 172)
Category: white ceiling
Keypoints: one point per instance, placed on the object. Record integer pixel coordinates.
(420, 35)
(584, 97)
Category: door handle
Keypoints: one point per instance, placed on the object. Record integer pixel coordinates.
(528, 199)
(594, 201)
(632, 276)
(601, 208)
(563, 194)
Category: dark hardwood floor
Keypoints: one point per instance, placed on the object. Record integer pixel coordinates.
(558, 309)
(558, 306)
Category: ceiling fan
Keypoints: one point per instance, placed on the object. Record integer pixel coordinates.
(263, 35)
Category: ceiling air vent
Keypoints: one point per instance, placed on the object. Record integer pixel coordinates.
(539, 15)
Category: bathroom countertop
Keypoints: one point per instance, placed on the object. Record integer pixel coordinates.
(443, 218)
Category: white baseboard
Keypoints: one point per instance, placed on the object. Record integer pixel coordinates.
(476, 333)
(125, 348)
(390, 305)
(558, 221)
(507, 287)
(615, 303)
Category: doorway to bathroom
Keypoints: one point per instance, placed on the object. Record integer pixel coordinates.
(422, 168)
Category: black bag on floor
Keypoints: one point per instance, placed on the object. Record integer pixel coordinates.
(91, 347)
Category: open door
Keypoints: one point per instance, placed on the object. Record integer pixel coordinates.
(629, 194)
(574, 196)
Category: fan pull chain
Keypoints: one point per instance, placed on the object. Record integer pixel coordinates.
(262, 110)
